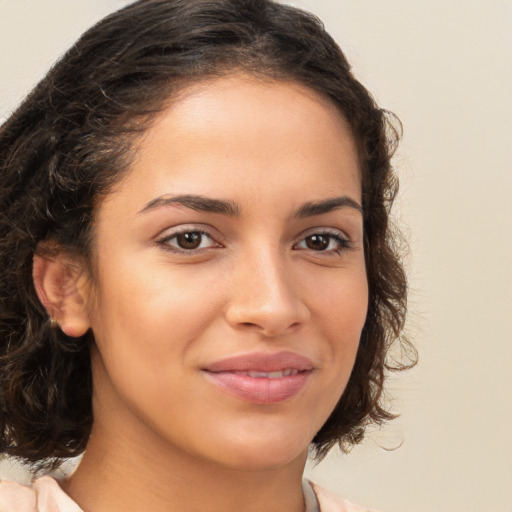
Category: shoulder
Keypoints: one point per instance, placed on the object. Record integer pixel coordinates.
(45, 495)
(329, 502)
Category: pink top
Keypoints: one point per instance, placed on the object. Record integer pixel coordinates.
(45, 495)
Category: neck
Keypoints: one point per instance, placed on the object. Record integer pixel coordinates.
(140, 472)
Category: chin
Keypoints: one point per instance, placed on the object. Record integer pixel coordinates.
(262, 451)
(258, 460)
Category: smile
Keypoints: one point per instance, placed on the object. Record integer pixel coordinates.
(262, 379)
(270, 375)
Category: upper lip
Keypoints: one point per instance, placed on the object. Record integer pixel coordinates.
(263, 362)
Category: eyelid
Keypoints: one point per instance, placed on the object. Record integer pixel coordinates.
(163, 239)
(345, 240)
(321, 230)
(187, 228)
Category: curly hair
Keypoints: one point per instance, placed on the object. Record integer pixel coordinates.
(70, 142)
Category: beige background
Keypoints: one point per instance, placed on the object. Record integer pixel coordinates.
(445, 67)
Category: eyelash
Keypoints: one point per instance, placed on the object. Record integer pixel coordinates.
(343, 243)
(165, 242)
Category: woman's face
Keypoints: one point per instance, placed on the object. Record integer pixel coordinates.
(230, 288)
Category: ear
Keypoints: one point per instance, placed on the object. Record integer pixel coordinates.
(62, 287)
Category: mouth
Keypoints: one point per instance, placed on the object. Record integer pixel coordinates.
(269, 375)
(262, 379)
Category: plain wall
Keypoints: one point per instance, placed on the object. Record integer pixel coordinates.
(445, 68)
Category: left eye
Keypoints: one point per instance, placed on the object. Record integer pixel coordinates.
(323, 242)
(189, 241)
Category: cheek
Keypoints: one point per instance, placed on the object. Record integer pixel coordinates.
(341, 304)
(341, 311)
(345, 315)
(146, 319)
(149, 295)
(144, 325)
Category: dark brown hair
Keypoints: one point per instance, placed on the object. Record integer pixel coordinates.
(71, 140)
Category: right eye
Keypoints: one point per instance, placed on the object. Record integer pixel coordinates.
(188, 241)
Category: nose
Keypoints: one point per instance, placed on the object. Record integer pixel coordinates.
(263, 295)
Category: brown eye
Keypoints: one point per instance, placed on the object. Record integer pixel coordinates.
(325, 242)
(190, 240)
(318, 242)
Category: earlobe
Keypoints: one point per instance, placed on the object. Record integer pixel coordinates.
(61, 287)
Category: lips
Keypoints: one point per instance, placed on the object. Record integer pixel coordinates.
(261, 378)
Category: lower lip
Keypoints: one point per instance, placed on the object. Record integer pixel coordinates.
(260, 390)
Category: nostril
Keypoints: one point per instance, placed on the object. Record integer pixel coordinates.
(270, 329)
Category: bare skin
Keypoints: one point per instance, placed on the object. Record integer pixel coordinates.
(271, 264)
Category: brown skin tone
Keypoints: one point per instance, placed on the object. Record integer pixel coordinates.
(164, 437)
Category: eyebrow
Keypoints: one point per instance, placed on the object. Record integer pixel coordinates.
(210, 205)
(327, 205)
(199, 203)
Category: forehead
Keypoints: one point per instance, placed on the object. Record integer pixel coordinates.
(239, 99)
(240, 132)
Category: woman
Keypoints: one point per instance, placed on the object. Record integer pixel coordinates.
(198, 277)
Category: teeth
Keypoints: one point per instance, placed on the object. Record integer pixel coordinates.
(258, 375)
(270, 375)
